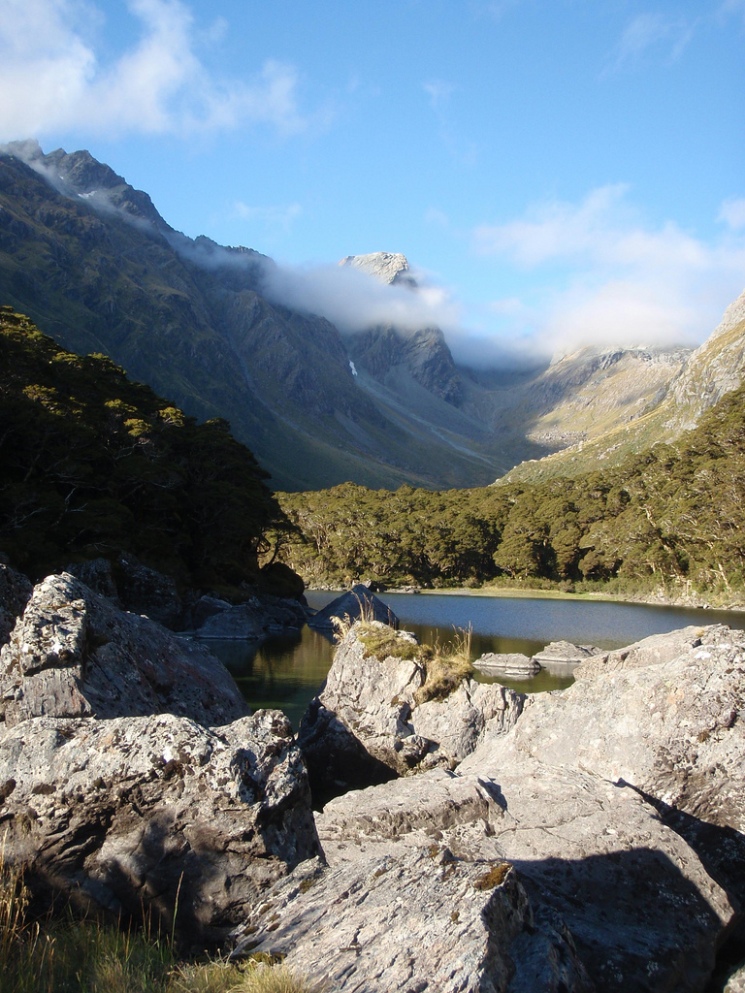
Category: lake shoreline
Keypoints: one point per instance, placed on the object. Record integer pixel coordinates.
(652, 600)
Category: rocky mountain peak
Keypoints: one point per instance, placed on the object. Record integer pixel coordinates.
(78, 175)
(388, 267)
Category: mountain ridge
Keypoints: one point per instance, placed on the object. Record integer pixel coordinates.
(95, 265)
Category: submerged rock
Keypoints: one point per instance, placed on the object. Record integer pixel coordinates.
(509, 664)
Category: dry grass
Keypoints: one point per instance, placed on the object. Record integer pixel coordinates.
(68, 956)
(381, 641)
(446, 668)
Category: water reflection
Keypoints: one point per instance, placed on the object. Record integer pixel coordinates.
(287, 671)
(284, 672)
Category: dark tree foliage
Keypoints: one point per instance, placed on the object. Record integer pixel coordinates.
(672, 519)
(92, 464)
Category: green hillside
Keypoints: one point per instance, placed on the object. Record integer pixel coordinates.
(95, 465)
(668, 520)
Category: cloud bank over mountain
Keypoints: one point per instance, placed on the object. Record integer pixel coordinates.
(609, 277)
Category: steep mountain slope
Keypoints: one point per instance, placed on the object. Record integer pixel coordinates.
(95, 266)
(704, 376)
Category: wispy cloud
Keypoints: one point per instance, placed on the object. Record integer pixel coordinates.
(278, 218)
(439, 93)
(611, 278)
(651, 36)
(736, 7)
(59, 80)
(732, 212)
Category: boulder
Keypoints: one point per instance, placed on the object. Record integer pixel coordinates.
(15, 592)
(662, 716)
(617, 805)
(156, 815)
(660, 719)
(511, 664)
(368, 724)
(254, 618)
(736, 981)
(146, 591)
(414, 920)
(356, 604)
(564, 653)
(595, 859)
(74, 653)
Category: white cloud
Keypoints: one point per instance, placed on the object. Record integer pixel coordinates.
(732, 212)
(651, 35)
(607, 277)
(736, 7)
(439, 93)
(355, 300)
(50, 64)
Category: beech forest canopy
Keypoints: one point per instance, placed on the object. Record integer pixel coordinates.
(96, 465)
(670, 519)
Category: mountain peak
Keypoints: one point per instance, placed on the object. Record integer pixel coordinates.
(78, 175)
(388, 267)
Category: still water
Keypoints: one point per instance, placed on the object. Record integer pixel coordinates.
(287, 671)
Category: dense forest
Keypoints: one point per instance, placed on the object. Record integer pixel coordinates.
(671, 520)
(95, 465)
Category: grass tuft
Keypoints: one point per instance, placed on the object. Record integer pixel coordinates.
(446, 668)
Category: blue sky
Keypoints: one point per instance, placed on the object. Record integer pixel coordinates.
(557, 171)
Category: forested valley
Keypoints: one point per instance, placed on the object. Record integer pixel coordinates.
(95, 465)
(669, 521)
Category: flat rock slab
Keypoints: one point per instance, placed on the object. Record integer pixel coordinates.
(414, 921)
(565, 653)
(507, 664)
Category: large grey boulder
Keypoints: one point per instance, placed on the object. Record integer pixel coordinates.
(643, 912)
(414, 920)
(663, 716)
(618, 805)
(74, 653)
(156, 815)
(254, 618)
(370, 724)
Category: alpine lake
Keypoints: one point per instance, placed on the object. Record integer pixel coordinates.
(287, 671)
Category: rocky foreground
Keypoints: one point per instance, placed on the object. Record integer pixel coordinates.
(589, 839)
